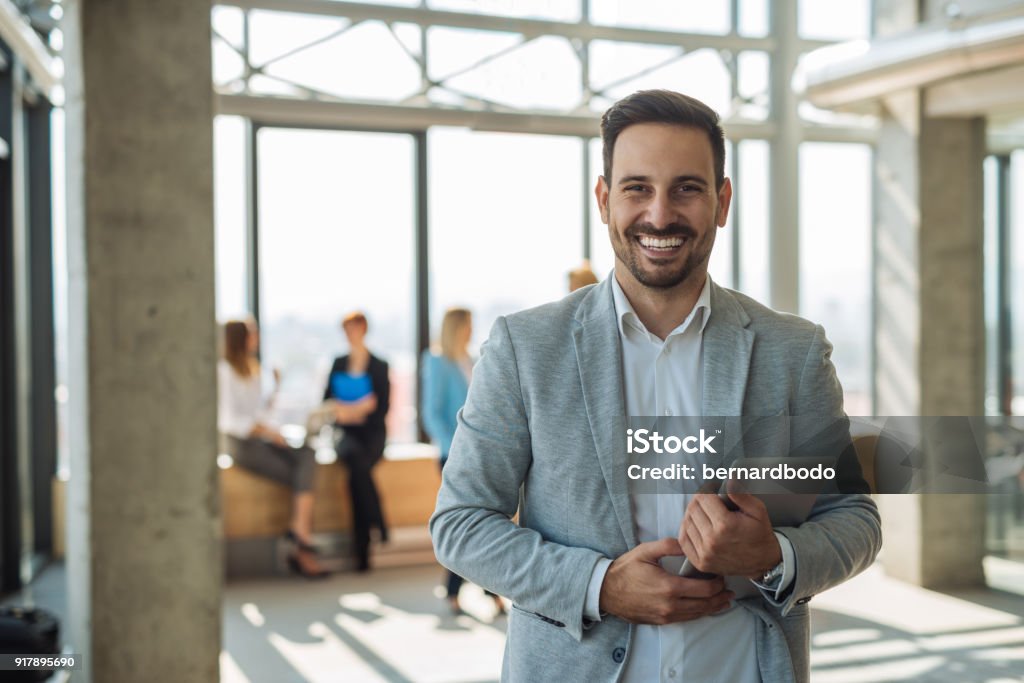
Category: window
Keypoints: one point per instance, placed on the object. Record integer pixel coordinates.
(835, 259)
(750, 201)
(502, 68)
(664, 15)
(620, 69)
(230, 216)
(503, 240)
(336, 219)
(828, 20)
(1016, 225)
(602, 258)
(552, 10)
(312, 53)
(993, 280)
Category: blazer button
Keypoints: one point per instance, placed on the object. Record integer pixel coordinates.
(618, 654)
(803, 601)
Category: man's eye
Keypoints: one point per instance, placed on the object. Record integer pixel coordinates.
(634, 188)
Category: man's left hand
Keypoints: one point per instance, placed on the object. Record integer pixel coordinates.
(729, 542)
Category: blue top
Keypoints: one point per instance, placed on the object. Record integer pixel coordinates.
(349, 388)
(444, 389)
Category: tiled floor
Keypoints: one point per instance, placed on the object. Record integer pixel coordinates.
(874, 628)
(384, 626)
(391, 626)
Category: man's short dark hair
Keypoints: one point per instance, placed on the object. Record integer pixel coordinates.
(662, 106)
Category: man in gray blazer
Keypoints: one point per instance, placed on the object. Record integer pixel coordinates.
(591, 566)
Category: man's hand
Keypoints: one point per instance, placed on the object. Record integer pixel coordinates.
(638, 590)
(727, 542)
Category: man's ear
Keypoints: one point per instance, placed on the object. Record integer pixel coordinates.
(601, 192)
(724, 202)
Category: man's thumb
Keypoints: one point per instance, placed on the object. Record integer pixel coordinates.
(653, 551)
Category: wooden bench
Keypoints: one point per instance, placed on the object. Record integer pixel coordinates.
(257, 511)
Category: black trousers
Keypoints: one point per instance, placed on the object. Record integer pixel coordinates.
(359, 453)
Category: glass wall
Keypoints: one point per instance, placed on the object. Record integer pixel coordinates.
(336, 233)
(993, 326)
(1016, 246)
(230, 216)
(751, 204)
(827, 20)
(502, 239)
(1004, 325)
(835, 259)
(508, 213)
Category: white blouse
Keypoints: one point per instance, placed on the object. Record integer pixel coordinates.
(240, 401)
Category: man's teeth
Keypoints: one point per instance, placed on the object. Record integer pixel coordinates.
(661, 243)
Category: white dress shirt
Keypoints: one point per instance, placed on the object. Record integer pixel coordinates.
(240, 401)
(665, 378)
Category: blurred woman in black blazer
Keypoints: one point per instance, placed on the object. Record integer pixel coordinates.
(360, 385)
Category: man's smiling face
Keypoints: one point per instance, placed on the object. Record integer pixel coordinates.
(661, 204)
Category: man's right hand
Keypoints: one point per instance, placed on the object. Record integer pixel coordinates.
(638, 590)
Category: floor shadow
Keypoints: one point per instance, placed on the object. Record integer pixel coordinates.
(961, 663)
(993, 598)
(288, 609)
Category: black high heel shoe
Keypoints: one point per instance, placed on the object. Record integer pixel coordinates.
(292, 537)
(296, 567)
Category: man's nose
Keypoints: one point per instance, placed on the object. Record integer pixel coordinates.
(660, 212)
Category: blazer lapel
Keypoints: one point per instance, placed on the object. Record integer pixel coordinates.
(599, 355)
(727, 349)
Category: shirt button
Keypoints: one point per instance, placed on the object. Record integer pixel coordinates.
(667, 411)
(671, 673)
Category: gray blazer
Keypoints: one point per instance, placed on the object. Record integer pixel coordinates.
(538, 434)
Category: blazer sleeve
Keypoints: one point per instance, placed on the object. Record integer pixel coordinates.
(382, 388)
(432, 402)
(843, 533)
(471, 527)
(335, 367)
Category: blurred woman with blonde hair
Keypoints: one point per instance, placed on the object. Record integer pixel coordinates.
(445, 382)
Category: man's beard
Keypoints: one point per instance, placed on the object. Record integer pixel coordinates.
(627, 249)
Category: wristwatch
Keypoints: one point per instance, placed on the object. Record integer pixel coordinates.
(772, 574)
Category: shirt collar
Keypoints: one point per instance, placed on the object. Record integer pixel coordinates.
(627, 317)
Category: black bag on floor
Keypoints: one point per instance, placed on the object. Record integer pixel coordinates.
(28, 631)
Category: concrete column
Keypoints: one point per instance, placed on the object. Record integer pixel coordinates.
(930, 331)
(144, 555)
